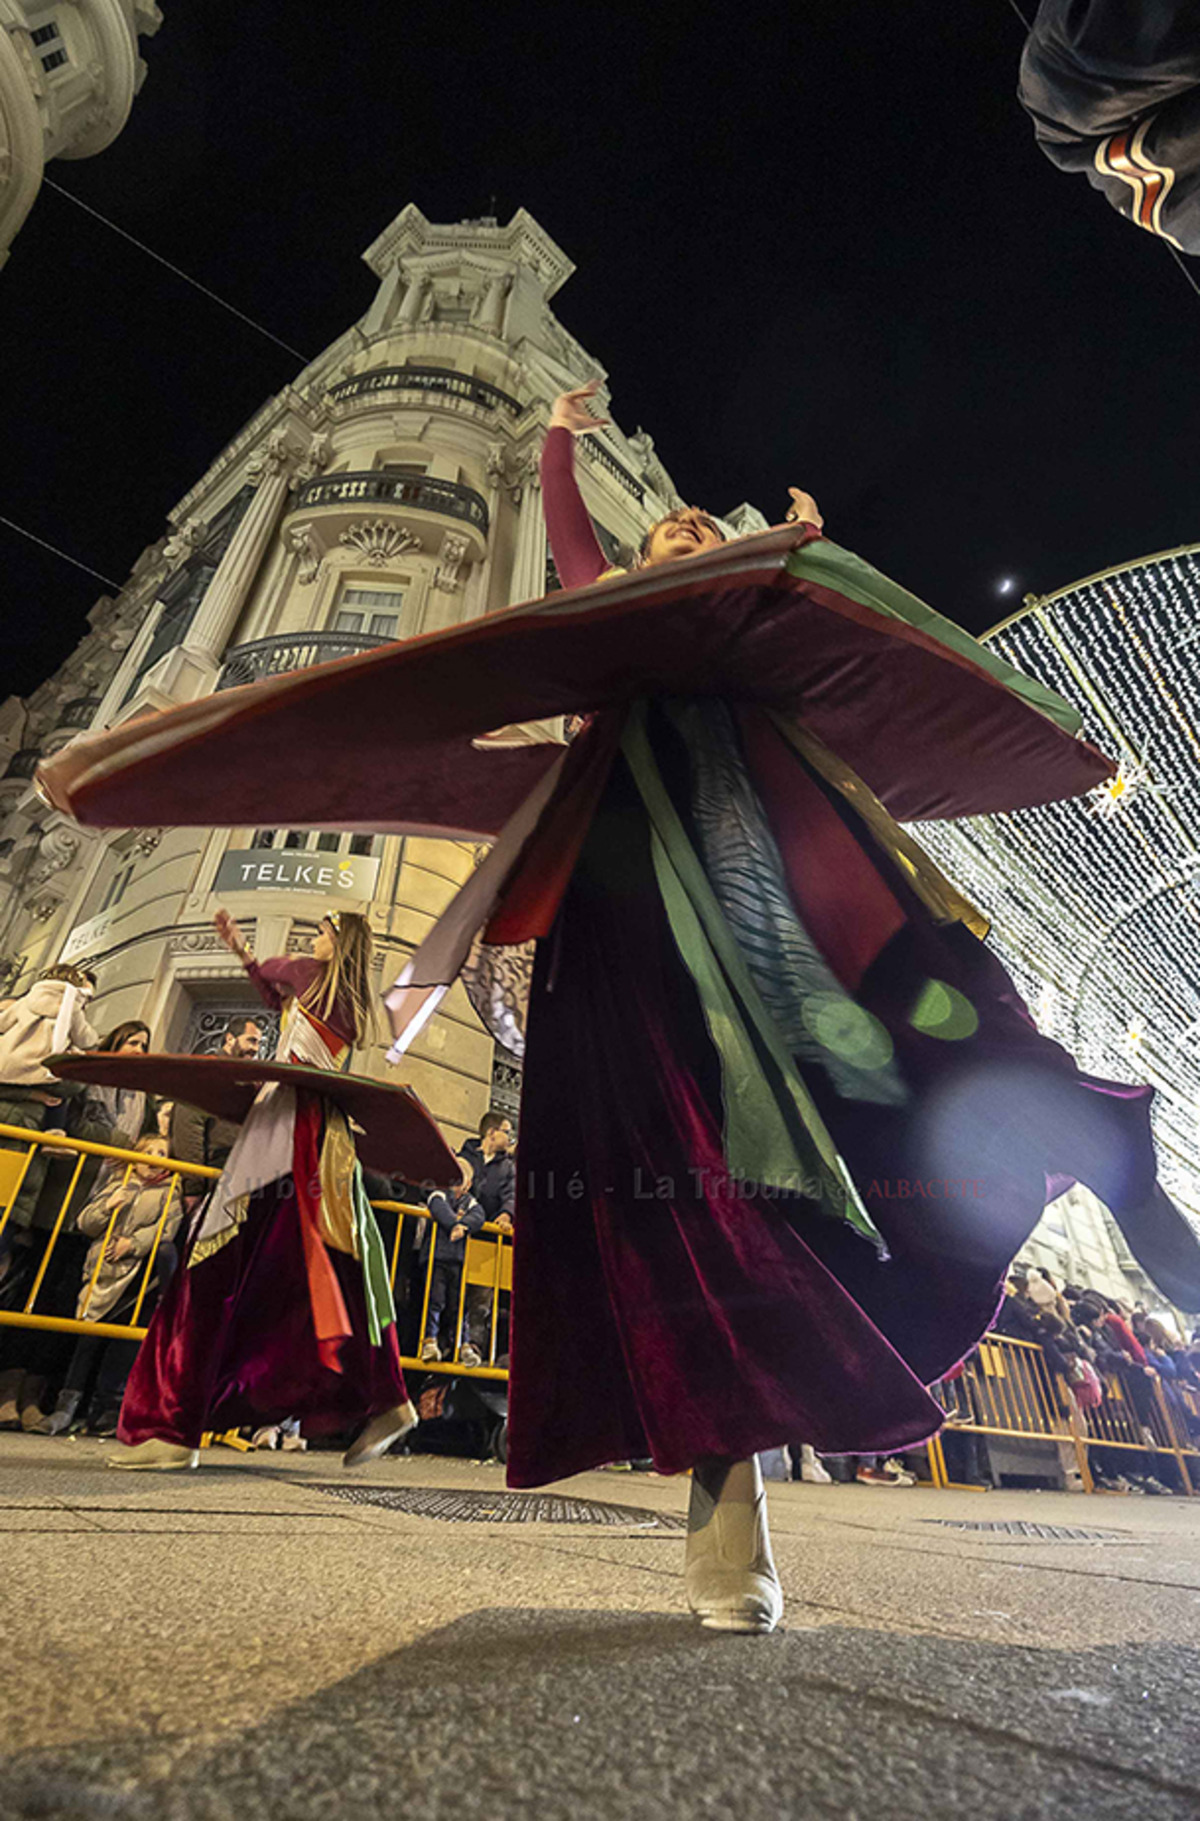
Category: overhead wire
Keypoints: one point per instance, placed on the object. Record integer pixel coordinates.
(205, 291)
(179, 272)
(46, 545)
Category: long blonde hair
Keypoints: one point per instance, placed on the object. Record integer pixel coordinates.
(346, 976)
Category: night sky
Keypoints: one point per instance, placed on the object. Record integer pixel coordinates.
(815, 245)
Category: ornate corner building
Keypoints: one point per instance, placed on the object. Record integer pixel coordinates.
(391, 490)
(1096, 902)
(69, 70)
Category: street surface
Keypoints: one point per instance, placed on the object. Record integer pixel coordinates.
(245, 1642)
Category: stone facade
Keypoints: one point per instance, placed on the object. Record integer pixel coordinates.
(69, 70)
(391, 490)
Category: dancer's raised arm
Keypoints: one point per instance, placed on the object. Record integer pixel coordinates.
(573, 542)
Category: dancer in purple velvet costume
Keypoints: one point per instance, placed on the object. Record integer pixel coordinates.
(662, 1309)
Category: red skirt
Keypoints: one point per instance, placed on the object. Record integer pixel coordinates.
(234, 1342)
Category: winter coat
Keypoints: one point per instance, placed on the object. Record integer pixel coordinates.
(139, 1205)
(200, 1137)
(494, 1184)
(450, 1210)
(27, 1033)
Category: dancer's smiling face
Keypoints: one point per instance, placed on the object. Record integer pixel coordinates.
(685, 532)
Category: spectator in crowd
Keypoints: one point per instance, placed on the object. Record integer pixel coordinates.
(47, 1019)
(111, 1115)
(128, 1222)
(455, 1214)
(34, 1362)
(1041, 1290)
(494, 1186)
(199, 1137)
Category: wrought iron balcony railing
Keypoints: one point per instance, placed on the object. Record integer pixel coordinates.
(80, 713)
(288, 651)
(417, 490)
(428, 379)
(23, 764)
(604, 458)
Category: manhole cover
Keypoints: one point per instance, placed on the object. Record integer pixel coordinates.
(502, 1507)
(1042, 1533)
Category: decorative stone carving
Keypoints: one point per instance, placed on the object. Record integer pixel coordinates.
(300, 539)
(181, 542)
(56, 850)
(453, 555)
(378, 541)
(512, 468)
(272, 459)
(194, 942)
(315, 458)
(146, 840)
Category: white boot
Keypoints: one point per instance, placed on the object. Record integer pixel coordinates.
(811, 1470)
(729, 1572)
(155, 1457)
(379, 1435)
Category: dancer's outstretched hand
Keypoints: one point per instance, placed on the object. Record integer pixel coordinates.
(571, 410)
(229, 932)
(803, 509)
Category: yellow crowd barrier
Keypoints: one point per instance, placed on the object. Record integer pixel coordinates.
(488, 1260)
(1007, 1389)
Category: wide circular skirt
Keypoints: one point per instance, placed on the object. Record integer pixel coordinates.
(662, 1310)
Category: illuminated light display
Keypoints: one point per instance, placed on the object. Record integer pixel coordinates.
(1094, 903)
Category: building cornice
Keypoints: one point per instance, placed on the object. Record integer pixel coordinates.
(522, 242)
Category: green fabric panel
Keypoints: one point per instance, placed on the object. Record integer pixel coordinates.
(832, 567)
(774, 1134)
(377, 1291)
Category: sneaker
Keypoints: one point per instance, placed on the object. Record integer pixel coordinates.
(879, 1476)
(811, 1470)
(470, 1356)
(430, 1349)
(900, 1472)
(293, 1444)
(267, 1437)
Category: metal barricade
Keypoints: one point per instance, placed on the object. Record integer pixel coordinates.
(1007, 1389)
(488, 1259)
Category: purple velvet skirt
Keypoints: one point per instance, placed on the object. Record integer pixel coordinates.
(662, 1310)
(233, 1343)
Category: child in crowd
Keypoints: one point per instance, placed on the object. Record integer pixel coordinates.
(456, 1215)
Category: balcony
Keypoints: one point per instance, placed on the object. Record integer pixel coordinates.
(80, 713)
(23, 764)
(417, 492)
(603, 457)
(428, 379)
(287, 652)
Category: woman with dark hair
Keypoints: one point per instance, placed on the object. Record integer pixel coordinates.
(109, 1115)
(751, 959)
(282, 1307)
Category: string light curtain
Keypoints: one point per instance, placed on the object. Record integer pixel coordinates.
(1096, 903)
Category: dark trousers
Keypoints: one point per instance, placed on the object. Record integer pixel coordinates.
(443, 1299)
(1114, 92)
(116, 1357)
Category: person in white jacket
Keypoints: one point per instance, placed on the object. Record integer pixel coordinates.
(49, 1018)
